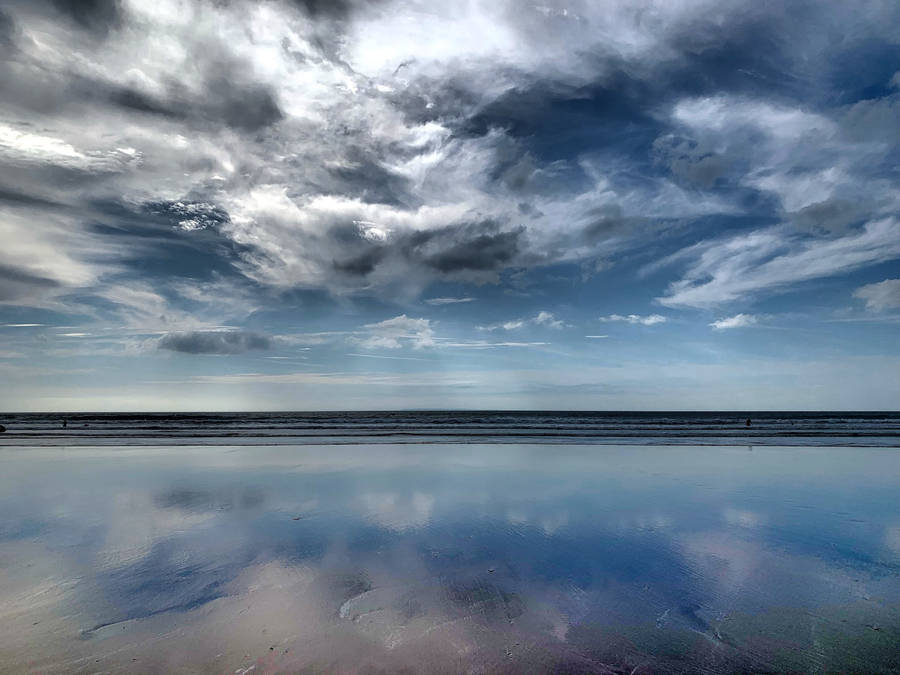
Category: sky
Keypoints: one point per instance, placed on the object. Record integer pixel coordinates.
(314, 204)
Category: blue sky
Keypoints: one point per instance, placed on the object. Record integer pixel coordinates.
(396, 204)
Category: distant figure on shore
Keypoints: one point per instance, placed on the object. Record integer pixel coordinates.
(65, 423)
(748, 421)
(2, 428)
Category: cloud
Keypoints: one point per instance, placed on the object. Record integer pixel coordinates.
(542, 318)
(547, 319)
(879, 296)
(736, 321)
(332, 147)
(476, 247)
(96, 15)
(398, 332)
(649, 320)
(773, 260)
(214, 342)
(21, 286)
(189, 216)
(482, 344)
(171, 166)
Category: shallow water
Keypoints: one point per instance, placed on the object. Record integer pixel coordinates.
(449, 558)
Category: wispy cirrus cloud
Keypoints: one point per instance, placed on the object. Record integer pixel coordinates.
(773, 260)
(542, 318)
(648, 320)
(448, 301)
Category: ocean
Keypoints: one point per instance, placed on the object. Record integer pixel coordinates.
(269, 428)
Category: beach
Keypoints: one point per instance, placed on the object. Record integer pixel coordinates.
(448, 557)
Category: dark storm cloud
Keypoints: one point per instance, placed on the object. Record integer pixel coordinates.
(132, 99)
(7, 32)
(95, 15)
(363, 176)
(331, 9)
(214, 342)
(605, 220)
(19, 198)
(362, 264)
(474, 247)
(244, 106)
(18, 285)
(248, 107)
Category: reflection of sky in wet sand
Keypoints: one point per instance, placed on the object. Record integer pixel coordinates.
(449, 558)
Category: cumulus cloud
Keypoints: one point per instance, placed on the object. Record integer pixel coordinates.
(398, 332)
(880, 296)
(547, 319)
(649, 320)
(214, 342)
(736, 321)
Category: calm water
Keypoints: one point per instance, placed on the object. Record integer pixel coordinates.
(449, 558)
(684, 428)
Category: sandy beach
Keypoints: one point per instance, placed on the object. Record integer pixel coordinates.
(448, 558)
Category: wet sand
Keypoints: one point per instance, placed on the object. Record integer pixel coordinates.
(449, 558)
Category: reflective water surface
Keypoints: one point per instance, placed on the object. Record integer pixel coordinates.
(449, 558)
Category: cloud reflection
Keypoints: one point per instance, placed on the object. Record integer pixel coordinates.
(488, 557)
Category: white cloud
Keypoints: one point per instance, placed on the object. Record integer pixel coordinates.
(364, 151)
(24, 147)
(796, 155)
(448, 301)
(736, 321)
(649, 320)
(398, 332)
(882, 295)
(547, 319)
(774, 259)
(483, 344)
(542, 318)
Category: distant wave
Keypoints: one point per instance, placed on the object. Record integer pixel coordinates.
(657, 428)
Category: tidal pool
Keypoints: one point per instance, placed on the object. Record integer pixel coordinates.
(449, 558)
